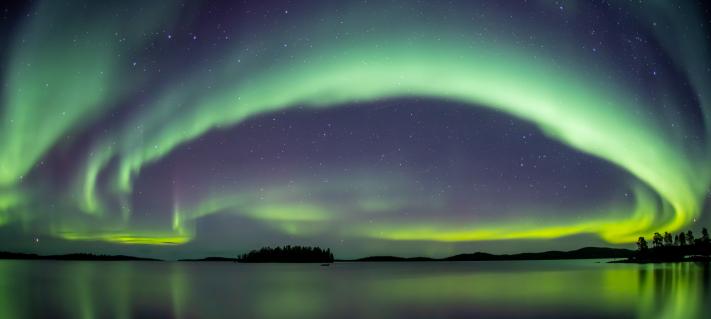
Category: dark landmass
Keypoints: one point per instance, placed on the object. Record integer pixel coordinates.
(287, 254)
(583, 253)
(98, 257)
(662, 260)
(9, 255)
(682, 247)
(212, 259)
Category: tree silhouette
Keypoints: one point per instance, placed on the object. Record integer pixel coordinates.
(668, 241)
(704, 243)
(682, 239)
(642, 245)
(674, 248)
(288, 254)
(657, 240)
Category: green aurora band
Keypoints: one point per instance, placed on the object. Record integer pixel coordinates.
(580, 106)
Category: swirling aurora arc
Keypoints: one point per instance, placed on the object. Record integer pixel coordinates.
(96, 94)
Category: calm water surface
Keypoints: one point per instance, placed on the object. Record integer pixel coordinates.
(519, 289)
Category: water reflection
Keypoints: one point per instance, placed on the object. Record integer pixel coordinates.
(352, 290)
(674, 290)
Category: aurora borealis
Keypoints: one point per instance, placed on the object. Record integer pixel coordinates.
(191, 128)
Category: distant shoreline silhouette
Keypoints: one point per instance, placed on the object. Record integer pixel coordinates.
(665, 248)
(582, 253)
(298, 254)
(80, 256)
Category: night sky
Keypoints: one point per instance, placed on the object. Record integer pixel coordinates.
(181, 129)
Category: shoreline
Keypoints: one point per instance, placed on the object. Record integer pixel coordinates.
(661, 261)
(582, 253)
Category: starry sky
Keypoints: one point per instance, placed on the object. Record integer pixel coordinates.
(195, 128)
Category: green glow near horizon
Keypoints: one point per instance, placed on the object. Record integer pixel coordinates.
(50, 97)
(609, 228)
(133, 237)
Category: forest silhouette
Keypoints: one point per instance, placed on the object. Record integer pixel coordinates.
(288, 254)
(669, 247)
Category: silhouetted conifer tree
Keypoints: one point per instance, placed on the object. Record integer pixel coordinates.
(668, 241)
(642, 245)
(690, 238)
(657, 240)
(682, 239)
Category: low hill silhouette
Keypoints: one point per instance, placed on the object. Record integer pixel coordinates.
(299, 254)
(80, 256)
(582, 253)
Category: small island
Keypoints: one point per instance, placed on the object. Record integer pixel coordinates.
(287, 254)
(672, 248)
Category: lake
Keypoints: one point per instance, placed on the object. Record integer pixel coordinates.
(495, 289)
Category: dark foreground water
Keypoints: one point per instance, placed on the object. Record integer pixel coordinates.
(519, 289)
